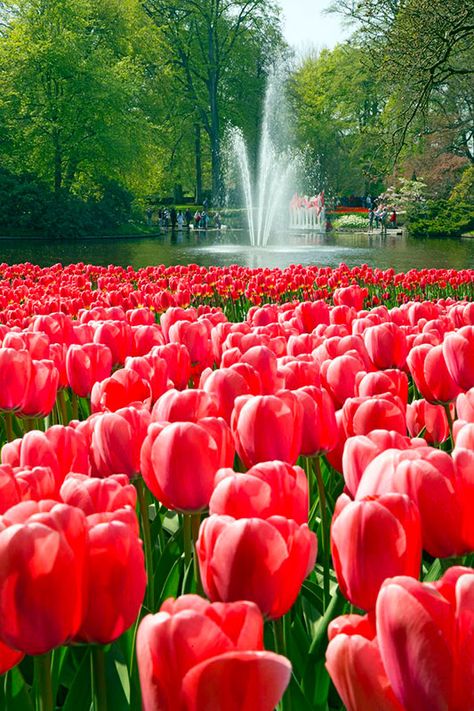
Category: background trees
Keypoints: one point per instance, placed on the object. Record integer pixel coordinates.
(127, 102)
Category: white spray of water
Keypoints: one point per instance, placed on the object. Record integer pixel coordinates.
(275, 168)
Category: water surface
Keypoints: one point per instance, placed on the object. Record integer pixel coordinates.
(212, 248)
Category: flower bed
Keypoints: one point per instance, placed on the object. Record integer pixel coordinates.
(351, 222)
(221, 484)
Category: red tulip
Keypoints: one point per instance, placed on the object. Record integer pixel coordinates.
(387, 345)
(57, 326)
(57, 353)
(427, 476)
(463, 458)
(87, 364)
(428, 421)
(362, 415)
(424, 633)
(63, 449)
(465, 406)
(116, 576)
(458, 351)
(195, 336)
(145, 337)
(42, 577)
(116, 441)
(93, 495)
(299, 374)
(122, 389)
(152, 369)
(25, 483)
(360, 450)
(15, 374)
(224, 385)
(38, 344)
(179, 462)
(429, 371)
(179, 363)
(265, 363)
(265, 561)
(140, 317)
(352, 295)
(339, 376)
(355, 666)
(40, 395)
(267, 427)
(117, 335)
(185, 406)
(194, 655)
(267, 489)
(173, 315)
(9, 658)
(394, 382)
(373, 539)
(320, 433)
(312, 313)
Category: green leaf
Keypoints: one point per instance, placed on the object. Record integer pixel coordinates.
(80, 692)
(16, 692)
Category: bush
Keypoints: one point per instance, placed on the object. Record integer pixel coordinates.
(351, 222)
(30, 207)
(440, 218)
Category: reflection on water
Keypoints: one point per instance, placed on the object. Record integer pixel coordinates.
(202, 248)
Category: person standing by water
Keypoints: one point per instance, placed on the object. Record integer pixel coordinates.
(393, 219)
(197, 219)
(174, 217)
(189, 217)
(371, 219)
(180, 220)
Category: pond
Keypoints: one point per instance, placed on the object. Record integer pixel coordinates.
(232, 247)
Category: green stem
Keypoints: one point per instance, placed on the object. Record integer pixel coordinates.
(187, 538)
(29, 424)
(74, 406)
(280, 648)
(44, 697)
(449, 418)
(325, 529)
(99, 686)
(195, 524)
(9, 426)
(145, 521)
(62, 407)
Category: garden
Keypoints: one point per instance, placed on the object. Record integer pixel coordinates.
(234, 488)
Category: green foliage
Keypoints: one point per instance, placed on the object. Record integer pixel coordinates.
(31, 207)
(464, 190)
(338, 104)
(440, 218)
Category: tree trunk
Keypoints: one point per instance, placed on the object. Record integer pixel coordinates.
(198, 162)
(58, 163)
(214, 135)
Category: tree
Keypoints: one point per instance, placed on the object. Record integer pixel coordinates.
(337, 104)
(207, 40)
(418, 48)
(73, 82)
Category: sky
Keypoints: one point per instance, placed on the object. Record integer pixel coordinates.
(305, 25)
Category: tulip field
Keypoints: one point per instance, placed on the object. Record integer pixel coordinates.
(234, 489)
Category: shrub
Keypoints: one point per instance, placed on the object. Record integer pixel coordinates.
(440, 218)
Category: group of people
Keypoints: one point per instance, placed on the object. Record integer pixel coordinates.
(383, 217)
(177, 219)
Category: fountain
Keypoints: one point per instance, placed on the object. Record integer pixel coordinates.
(275, 171)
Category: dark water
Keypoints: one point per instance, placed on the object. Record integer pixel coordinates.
(395, 251)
